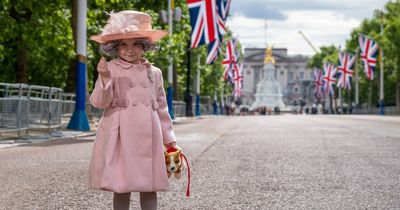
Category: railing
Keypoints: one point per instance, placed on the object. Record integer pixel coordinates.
(14, 107)
(389, 110)
(24, 107)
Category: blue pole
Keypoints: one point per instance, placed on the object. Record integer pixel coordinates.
(198, 113)
(170, 101)
(381, 107)
(79, 120)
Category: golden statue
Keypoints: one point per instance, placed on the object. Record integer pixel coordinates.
(268, 56)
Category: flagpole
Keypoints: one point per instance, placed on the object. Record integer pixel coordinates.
(370, 97)
(188, 96)
(170, 89)
(340, 99)
(357, 82)
(381, 85)
(79, 120)
(350, 106)
(198, 113)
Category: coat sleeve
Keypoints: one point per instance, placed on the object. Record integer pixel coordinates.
(102, 94)
(165, 119)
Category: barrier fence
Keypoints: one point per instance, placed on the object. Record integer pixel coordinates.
(24, 107)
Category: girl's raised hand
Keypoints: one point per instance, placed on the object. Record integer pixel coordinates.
(103, 71)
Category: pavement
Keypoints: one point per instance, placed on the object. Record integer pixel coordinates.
(241, 162)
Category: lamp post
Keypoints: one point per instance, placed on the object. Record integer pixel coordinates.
(79, 120)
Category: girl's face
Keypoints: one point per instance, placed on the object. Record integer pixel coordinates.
(130, 50)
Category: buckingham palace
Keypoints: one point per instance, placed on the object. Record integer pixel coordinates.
(295, 79)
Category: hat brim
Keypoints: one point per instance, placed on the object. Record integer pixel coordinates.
(153, 35)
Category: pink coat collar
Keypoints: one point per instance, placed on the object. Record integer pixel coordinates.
(127, 65)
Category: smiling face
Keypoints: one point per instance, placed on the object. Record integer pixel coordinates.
(130, 50)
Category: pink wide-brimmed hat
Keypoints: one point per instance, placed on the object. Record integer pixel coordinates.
(126, 25)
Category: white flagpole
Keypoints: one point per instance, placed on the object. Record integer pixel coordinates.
(170, 88)
(381, 86)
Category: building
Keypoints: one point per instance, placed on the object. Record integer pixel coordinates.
(295, 79)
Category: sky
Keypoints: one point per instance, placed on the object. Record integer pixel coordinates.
(323, 22)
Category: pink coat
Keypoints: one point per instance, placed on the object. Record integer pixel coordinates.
(128, 149)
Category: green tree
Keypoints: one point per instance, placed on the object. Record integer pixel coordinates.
(390, 45)
(326, 54)
(35, 45)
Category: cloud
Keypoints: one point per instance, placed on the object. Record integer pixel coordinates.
(256, 9)
(276, 9)
(321, 28)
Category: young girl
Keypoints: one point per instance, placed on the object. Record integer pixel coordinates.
(128, 149)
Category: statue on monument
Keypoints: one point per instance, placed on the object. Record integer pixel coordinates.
(269, 59)
(268, 92)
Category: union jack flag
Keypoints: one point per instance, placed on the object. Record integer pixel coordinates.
(238, 85)
(204, 21)
(369, 51)
(214, 48)
(223, 7)
(318, 82)
(345, 70)
(329, 78)
(230, 60)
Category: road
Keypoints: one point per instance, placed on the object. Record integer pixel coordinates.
(249, 162)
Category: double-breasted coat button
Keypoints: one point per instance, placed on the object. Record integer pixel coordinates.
(134, 103)
(146, 103)
(132, 84)
(143, 84)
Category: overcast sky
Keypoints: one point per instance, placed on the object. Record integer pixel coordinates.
(324, 22)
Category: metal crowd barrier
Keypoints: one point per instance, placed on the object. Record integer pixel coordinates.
(24, 107)
(14, 107)
(388, 110)
(179, 108)
(45, 107)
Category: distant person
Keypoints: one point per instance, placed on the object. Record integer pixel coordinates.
(277, 110)
(314, 109)
(263, 110)
(215, 107)
(128, 151)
